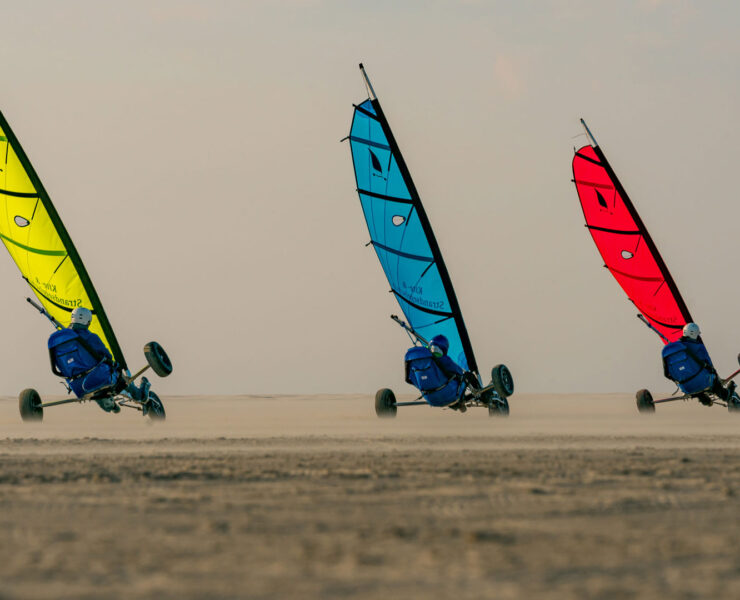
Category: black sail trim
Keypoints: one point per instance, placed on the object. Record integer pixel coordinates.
(427, 227)
(367, 113)
(617, 231)
(74, 256)
(19, 194)
(402, 254)
(588, 159)
(384, 196)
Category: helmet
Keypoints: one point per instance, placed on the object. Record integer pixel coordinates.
(439, 345)
(81, 316)
(691, 330)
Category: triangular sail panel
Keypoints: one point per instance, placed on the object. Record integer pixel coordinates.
(402, 236)
(625, 244)
(39, 244)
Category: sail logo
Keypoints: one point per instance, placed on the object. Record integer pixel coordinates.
(49, 287)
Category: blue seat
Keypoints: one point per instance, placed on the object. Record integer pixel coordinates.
(425, 375)
(691, 376)
(84, 372)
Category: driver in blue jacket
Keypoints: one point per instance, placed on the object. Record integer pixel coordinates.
(695, 348)
(439, 347)
(81, 357)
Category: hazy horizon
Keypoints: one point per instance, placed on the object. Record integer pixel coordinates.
(192, 151)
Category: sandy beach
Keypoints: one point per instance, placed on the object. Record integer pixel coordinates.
(296, 497)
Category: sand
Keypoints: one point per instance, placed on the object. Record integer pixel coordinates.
(314, 497)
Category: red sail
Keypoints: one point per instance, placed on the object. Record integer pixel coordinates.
(625, 245)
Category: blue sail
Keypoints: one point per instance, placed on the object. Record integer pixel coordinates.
(402, 236)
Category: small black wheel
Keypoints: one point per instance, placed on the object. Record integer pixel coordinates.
(29, 403)
(498, 407)
(385, 404)
(733, 404)
(158, 359)
(502, 381)
(645, 402)
(155, 408)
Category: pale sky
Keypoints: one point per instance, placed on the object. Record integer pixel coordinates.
(192, 150)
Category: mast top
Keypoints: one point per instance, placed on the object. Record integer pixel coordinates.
(368, 85)
(589, 134)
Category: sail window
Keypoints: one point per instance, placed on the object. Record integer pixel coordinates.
(375, 161)
(626, 254)
(600, 198)
(398, 220)
(21, 222)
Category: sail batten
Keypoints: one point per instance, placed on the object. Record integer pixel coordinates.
(402, 236)
(35, 237)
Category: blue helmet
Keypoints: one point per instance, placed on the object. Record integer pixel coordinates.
(439, 345)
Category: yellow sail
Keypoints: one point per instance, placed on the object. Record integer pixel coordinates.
(39, 244)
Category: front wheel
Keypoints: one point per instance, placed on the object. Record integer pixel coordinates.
(645, 402)
(155, 408)
(29, 403)
(158, 359)
(733, 404)
(498, 407)
(385, 404)
(502, 381)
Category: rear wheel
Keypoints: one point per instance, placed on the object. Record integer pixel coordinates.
(645, 402)
(155, 408)
(158, 359)
(29, 403)
(498, 407)
(385, 404)
(502, 381)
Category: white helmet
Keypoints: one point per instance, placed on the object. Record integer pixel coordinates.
(81, 316)
(691, 330)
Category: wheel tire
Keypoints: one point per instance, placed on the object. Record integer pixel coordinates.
(502, 381)
(385, 404)
(645, 402)
(498, 407)
(29, 403)
(733, 404)
(158, 359)
(156, 408)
